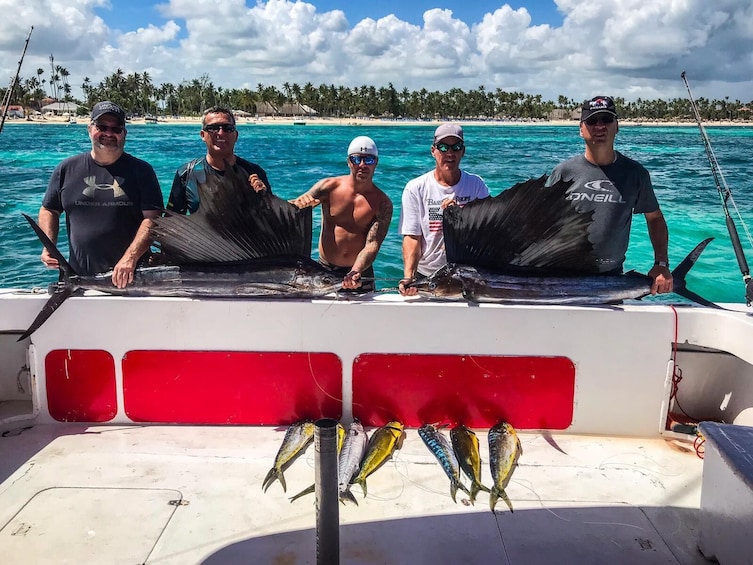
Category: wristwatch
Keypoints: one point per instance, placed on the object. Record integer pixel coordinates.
(661, 264)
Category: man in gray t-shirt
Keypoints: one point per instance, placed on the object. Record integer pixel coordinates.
(614, 187)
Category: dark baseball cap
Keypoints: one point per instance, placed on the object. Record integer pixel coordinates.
(597, 105)
(107, 107)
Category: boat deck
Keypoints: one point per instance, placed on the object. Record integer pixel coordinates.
(183, 494)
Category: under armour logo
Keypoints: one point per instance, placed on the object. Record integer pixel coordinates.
(91, 186)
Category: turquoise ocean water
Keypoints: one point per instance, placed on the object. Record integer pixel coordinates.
(297, 156)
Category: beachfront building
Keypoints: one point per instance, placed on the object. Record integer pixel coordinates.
(60, 108)
(288, 109)
(15, 111)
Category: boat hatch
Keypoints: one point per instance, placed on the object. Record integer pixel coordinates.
(88, 525)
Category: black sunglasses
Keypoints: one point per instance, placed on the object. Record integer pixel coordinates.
(607, 119)
(104, 129)
(214, 128)
(445, 147)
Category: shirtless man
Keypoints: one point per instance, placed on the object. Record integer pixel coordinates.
(356, 215)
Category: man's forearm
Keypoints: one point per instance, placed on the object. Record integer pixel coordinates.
(141, 241)
(411, 255)
(49, 222)
(659, 236)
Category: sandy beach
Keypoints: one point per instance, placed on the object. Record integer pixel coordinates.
(289, 121)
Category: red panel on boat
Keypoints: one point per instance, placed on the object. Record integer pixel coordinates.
(231, 387)
(476, 390)
(81, 385)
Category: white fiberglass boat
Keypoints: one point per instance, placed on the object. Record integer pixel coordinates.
(140, 430)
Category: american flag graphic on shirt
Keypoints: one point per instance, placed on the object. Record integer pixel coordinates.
(435, 219)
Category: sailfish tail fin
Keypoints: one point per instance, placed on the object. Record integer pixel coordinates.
(681, 271)
(66, 271)
(63, 292)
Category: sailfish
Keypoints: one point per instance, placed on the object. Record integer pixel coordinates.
(529, 245)
(239, 244)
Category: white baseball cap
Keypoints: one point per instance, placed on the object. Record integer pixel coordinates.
(363, 145)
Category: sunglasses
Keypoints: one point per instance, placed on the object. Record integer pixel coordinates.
(608, 119)
(214, 128)
(445, 147)
(104, 129)
(365, 159)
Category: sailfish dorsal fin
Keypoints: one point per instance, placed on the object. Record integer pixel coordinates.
(234, 223)
(529, 227)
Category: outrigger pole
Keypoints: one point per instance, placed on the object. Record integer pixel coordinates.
(12, 87)
(725, 194)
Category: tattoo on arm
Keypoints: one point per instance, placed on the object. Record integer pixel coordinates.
(375, 236)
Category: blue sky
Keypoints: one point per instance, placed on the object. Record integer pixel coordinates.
(140, 13)
(571, 48)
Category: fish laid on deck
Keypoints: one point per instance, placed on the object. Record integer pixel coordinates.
(504, 451)
(529, 245)
(297, 438)
(239, 244)
(381, 446)
(465, 446)
(340, 440)
(440, 447)
(350, 460)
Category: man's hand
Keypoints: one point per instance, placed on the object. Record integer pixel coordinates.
(49, 260)
(256, 183)
(662, 280)
(406, 290)
(122, 273)
(305, 200)
(352, 280)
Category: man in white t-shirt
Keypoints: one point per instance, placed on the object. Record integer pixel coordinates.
(424, 200)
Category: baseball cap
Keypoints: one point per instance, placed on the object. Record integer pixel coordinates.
(597, 105)
(363, 145)
(448, 130)
(107, 107)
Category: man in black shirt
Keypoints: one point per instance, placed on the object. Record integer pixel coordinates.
(109, 199)
(219, 133)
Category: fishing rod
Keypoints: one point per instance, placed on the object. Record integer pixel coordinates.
(726, 195)
(12, 87)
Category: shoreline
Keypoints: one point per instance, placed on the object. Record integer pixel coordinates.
(302, 121)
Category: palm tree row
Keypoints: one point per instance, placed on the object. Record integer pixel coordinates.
(138, 95)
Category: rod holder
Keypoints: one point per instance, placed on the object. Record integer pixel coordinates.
(325, 488)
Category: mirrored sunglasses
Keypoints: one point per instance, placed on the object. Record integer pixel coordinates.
(445, 147)
(604, 119)
(365, 159)
(214, 128)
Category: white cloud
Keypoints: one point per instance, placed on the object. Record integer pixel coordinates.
(629, 48)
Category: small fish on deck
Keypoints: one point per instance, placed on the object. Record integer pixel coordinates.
(465, 446)
(504, 451)
(297, 438)
(440, 447)
(381, 446)
(340, 440)
(349, 461)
